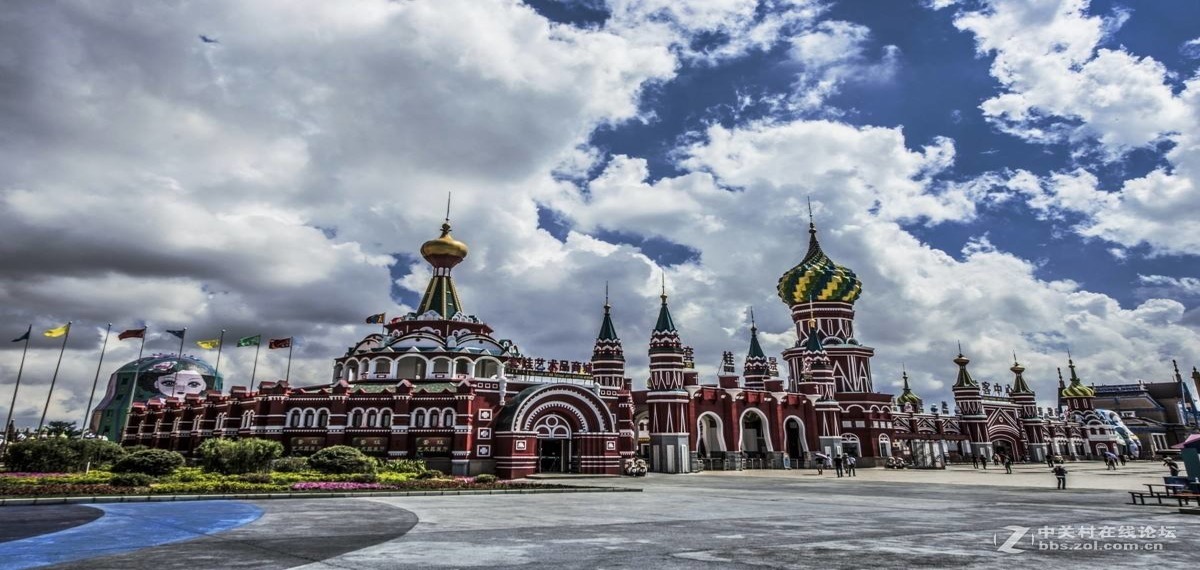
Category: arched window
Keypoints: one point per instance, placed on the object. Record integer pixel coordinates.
(448, 418)
(381, 366)
(435, 418)
(385, 419)
(418, 418)
(462, 366)
(322, 418)
(356, 417)
(441, 366)
(372, 417)
(885, 445)
(293, 418)
(486, 368)
(411, 367)
(310, 418)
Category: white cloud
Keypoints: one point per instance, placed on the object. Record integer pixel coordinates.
(1059, 85)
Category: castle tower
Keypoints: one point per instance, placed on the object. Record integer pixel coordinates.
(972, 417)
(821, 290)
(608, 358)
(756, 369)
(1078, 397)
(668, 401)
(811, 364)
(1031, 421)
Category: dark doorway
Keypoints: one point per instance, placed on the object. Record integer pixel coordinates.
(794, 436)
(554, 456)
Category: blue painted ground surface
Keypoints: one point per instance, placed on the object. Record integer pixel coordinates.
(126, 527)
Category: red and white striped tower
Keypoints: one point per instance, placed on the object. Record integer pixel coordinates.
(668, 401)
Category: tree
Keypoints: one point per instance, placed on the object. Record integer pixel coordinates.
(238, 456)
(341, 459)
(154, 462)
(57, 455)
(61, 428)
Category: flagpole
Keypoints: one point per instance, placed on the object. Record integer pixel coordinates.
(220, 345)
(13, 405)
(54, 379)
(254, 371)
(92, 395)
(181, 337)
(137, 371)
(288, 375)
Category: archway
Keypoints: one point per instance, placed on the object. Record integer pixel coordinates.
(554, 445)
(850, 445)
(793, 430)
(711, 435)
(756, 441)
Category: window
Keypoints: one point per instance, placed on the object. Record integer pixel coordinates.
(462, 367)
(293, 418)
(219, 423)
(322, 418)
(435, 417)
(385, 419)
(418, 419)
(310, 418)
(356, 418)
(448, 418)
(247, 419)
(1128, 414)
(441, 366)
(1158, 441)
(372, 418)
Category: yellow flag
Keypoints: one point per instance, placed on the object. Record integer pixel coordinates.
(57, 332)
(209, 344)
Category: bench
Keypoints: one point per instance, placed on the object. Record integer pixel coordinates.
(1139, 498)
(1169, 489)
(1185, 498)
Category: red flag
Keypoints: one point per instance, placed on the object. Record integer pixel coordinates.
(133, 333)
(280, 343)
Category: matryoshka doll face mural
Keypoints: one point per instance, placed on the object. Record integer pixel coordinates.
(173, 378)
(181, 383)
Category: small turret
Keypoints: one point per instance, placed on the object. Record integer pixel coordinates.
(907, 396)
(756, 369)
(608, 356)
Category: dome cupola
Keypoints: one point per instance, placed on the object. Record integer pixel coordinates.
(818, 278)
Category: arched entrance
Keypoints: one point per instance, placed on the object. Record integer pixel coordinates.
(755, 439)
(711, 438)
(554, 445)
(793, 431)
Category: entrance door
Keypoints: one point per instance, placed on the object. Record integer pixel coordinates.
(554, 455)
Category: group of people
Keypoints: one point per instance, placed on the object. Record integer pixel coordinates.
(997, 459)
(843, 463)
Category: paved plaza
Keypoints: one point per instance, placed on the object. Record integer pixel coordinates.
(958, 518)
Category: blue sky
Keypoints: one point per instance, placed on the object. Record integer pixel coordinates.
(1017, 175)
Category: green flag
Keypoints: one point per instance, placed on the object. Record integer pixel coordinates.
(250, 340)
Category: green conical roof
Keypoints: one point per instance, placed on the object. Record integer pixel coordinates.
(755, 348)
(607, 330)
(440, 297)
(964, 379)
(664, 324)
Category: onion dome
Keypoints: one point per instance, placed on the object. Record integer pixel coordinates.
(907, 396)
(444, 252)
(1076, 389)
(818, 278)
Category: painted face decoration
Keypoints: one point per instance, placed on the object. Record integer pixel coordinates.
(180, 384)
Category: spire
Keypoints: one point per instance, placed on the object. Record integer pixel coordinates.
(442, 253)
(607, 330)
(964, 379)
(665, 323)
(1019, 385)
(1061, 384)
(755, 348)
(907, 396)
(1076, 389)
(1178, 377)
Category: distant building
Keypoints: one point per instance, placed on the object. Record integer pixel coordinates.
(1158, 414)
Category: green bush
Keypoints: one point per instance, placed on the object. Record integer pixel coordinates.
(392, 478)
(90, 478)
(202, 487)
(341, 459)
(290, 465)
(485, 479)
(131, 479)
(61, 455)
(431, 474)
(413, 466)
(231, 456)
(256, 478)
(155, 462)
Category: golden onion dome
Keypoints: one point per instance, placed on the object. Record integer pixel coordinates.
(818, 278)
(444, 251)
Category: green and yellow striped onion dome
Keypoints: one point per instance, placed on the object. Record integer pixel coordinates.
(818, 278)
(907, 397)
(1077, 390)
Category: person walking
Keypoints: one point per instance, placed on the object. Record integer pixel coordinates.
(820, 465)
(1111, 461)
(983, 461)
(837, 464)
(1060, 472)
(1172, 466)
(850, 462)
(1008, 464)
(975, 461)
(1122, 458)
(1049, 461)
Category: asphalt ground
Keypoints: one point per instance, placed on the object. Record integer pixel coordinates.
(713, 520)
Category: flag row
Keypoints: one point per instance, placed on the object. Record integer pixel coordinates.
(207, 344)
